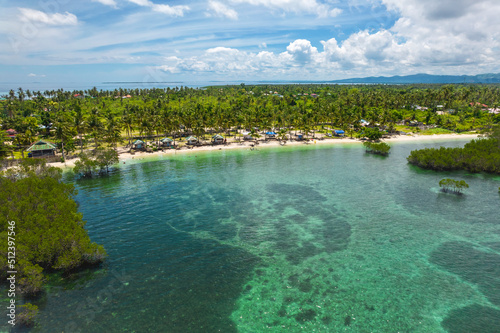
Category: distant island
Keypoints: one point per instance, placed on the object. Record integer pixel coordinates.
(425, 78)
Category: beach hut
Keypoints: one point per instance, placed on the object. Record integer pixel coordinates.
(339, 132)
(247, 136)
(139, 145)
(299, 137)
(166, 142)
(271, 135)
(42, 148)
(217, 139)
(191, 140)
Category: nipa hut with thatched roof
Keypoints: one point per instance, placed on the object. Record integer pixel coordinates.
(42, 148)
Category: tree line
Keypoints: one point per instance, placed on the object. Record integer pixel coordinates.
(92, 118)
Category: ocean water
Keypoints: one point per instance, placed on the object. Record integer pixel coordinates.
(289, 239)
(5, 87)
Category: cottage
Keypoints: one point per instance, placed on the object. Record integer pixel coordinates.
(11, 133)
(42, 149)
(139, 145)
(191, 140)
(217, 139)
(166, 142)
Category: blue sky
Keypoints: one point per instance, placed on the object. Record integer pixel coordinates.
(244, 40)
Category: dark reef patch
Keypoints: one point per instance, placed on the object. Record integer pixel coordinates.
(472, 265)
(473, 319)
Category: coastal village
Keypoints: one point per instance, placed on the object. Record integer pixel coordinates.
(58, 125)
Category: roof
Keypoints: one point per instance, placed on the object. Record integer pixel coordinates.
(270, 133)
(339, 131)
(217, 136)
(166, 140)
(138, 141)
(42, 145)
(189, 138)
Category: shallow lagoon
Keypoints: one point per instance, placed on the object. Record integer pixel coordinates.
(313, 239)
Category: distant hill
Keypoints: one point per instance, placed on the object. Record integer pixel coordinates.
(425, 78)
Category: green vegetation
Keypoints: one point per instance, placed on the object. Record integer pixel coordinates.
(476, 156)
(80, 120)
(380, 148)
(372, 134)
(27, 315)
(96, 162)
(39, 211)
(449, 185)
(4, 148)
(433, 131)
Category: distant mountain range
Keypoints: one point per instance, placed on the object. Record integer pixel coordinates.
(425, 78)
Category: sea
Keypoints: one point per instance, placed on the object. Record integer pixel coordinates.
(312, 238)
(5, 87)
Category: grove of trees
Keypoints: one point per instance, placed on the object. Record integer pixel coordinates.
(40, 213)
(90, 118)
(480, 155)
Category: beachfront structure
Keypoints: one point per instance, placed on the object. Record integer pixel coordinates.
(42, 148)
(11, 133)
(191, 140)
(166, 142)
(247, 136)
(271, 135)
(299, 137)
(139, 145)
(338, 132)
(217, 139)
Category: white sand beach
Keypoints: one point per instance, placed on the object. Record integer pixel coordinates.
(125, 155)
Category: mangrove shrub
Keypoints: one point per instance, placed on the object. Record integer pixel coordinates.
(40, 212)
(380, 148)
(476, 156)
(449, 185)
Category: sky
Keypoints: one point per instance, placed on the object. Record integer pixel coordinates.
(244, 40)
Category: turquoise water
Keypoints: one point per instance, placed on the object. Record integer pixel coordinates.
(297, 239)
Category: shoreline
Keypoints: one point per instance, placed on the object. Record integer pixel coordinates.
(124, 156)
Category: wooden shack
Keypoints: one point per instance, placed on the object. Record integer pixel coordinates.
(42, 148)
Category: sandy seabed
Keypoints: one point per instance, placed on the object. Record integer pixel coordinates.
(124, 155)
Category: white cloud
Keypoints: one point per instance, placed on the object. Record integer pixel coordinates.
(295, 6)
(219, 9)
(111, 3)
(144, 3)
(32, 15)
(302, 51)
(36, 75)
(170, 10)
(161, 8)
